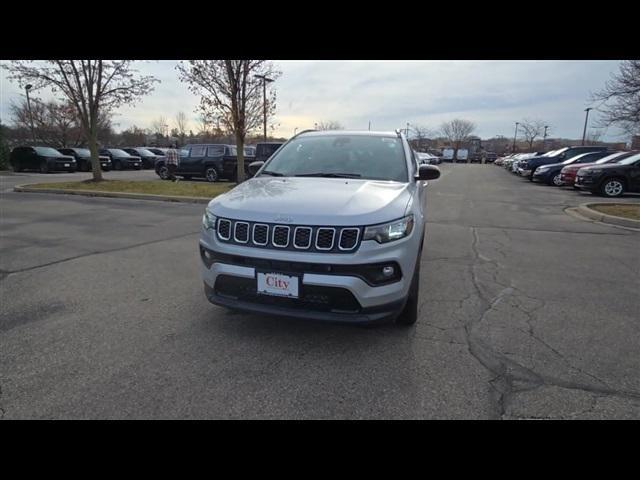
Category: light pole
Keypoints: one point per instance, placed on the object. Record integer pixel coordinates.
(33, 133)
(407, 131)
(514, 138)
(369, 125)
(544, 139)
(586, 119)
(265, 80)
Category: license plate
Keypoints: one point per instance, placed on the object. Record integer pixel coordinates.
(277, 284)
(66, 164)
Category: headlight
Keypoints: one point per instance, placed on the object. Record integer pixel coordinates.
(208, 220)
(388, 232)
(542, 169)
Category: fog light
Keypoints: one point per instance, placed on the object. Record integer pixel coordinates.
(388, 271)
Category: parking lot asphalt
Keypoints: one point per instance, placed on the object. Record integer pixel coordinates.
(526, 312)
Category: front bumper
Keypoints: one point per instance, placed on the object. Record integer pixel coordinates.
(586, 182)
(524, 173)
(334, 296)
(568, 179)
(541, 177)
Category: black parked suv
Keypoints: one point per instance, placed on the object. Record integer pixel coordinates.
(211, 161)
(121, 159)
(148, 157)
(83, 158)
(611, 179)
(43, 159)
(556, 157)
(265, 150)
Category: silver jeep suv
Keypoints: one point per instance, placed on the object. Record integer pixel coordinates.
(330, 227)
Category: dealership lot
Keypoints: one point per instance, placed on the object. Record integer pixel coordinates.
(527, 312)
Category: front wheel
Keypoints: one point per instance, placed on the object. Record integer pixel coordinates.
(612, 188)
(211, 174)
(163, 173)
(117, 165)
(556, 180)
(409, 314)
(44, 167)
(86, 166)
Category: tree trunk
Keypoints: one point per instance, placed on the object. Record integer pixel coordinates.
(95, 161)
(240, 157)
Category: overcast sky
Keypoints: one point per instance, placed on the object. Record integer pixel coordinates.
(493, 94)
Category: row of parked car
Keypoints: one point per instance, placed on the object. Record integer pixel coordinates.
(196, 160)
(590, 168)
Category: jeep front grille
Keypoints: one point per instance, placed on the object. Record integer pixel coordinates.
(324, 239)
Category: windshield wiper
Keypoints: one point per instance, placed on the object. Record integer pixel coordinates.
(273, 174)
(330, 175)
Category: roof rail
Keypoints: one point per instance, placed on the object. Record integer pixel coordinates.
(304, 131)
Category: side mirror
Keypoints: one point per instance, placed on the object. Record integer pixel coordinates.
(255, 166)
(428, 172)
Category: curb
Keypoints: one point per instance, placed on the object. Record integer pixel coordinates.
(132, 196)
(596, 216)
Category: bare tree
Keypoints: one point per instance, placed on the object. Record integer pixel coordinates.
(457, 131)
(91, 86)
(421, 136)
(230, 92)
(531, 129)
(181, 125)
(620, 99)
(159, 126)
(330, 125)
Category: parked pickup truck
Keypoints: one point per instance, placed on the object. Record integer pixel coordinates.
(331, 227)
(212, 162)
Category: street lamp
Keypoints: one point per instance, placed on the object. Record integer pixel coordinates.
(544, 139)
(586, 119)
(265, 80)
(514, 137)
(407, 134)
(33, 134)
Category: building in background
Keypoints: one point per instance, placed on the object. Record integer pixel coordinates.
(635, 142)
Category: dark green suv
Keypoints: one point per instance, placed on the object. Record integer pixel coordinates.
(42, 159)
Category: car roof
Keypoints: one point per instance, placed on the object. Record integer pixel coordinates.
(330, 133)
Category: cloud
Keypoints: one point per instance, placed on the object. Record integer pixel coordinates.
(493, 94)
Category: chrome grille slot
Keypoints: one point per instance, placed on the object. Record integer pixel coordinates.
(260, 234)
(324, 238)
(241, 232)
(280, 236)
(349, 238)
(224, 229)
(302, 237)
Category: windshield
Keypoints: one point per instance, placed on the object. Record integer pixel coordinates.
(118, 152)
(556, 153)
(630, 160)
(143, 152)
(83, 152)
(576, 158)
(608, 158)
(359, 156)
(51, 152)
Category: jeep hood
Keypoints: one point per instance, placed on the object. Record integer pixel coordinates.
(314, 201)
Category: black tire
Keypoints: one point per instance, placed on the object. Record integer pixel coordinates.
(163, 172)
(186, 177)
(85, 166)
(44, 167)
(211, 174)
(117, 165)
(17, 168)
(409, 314)
(612, 187)
(555, 180)
(106, 169)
